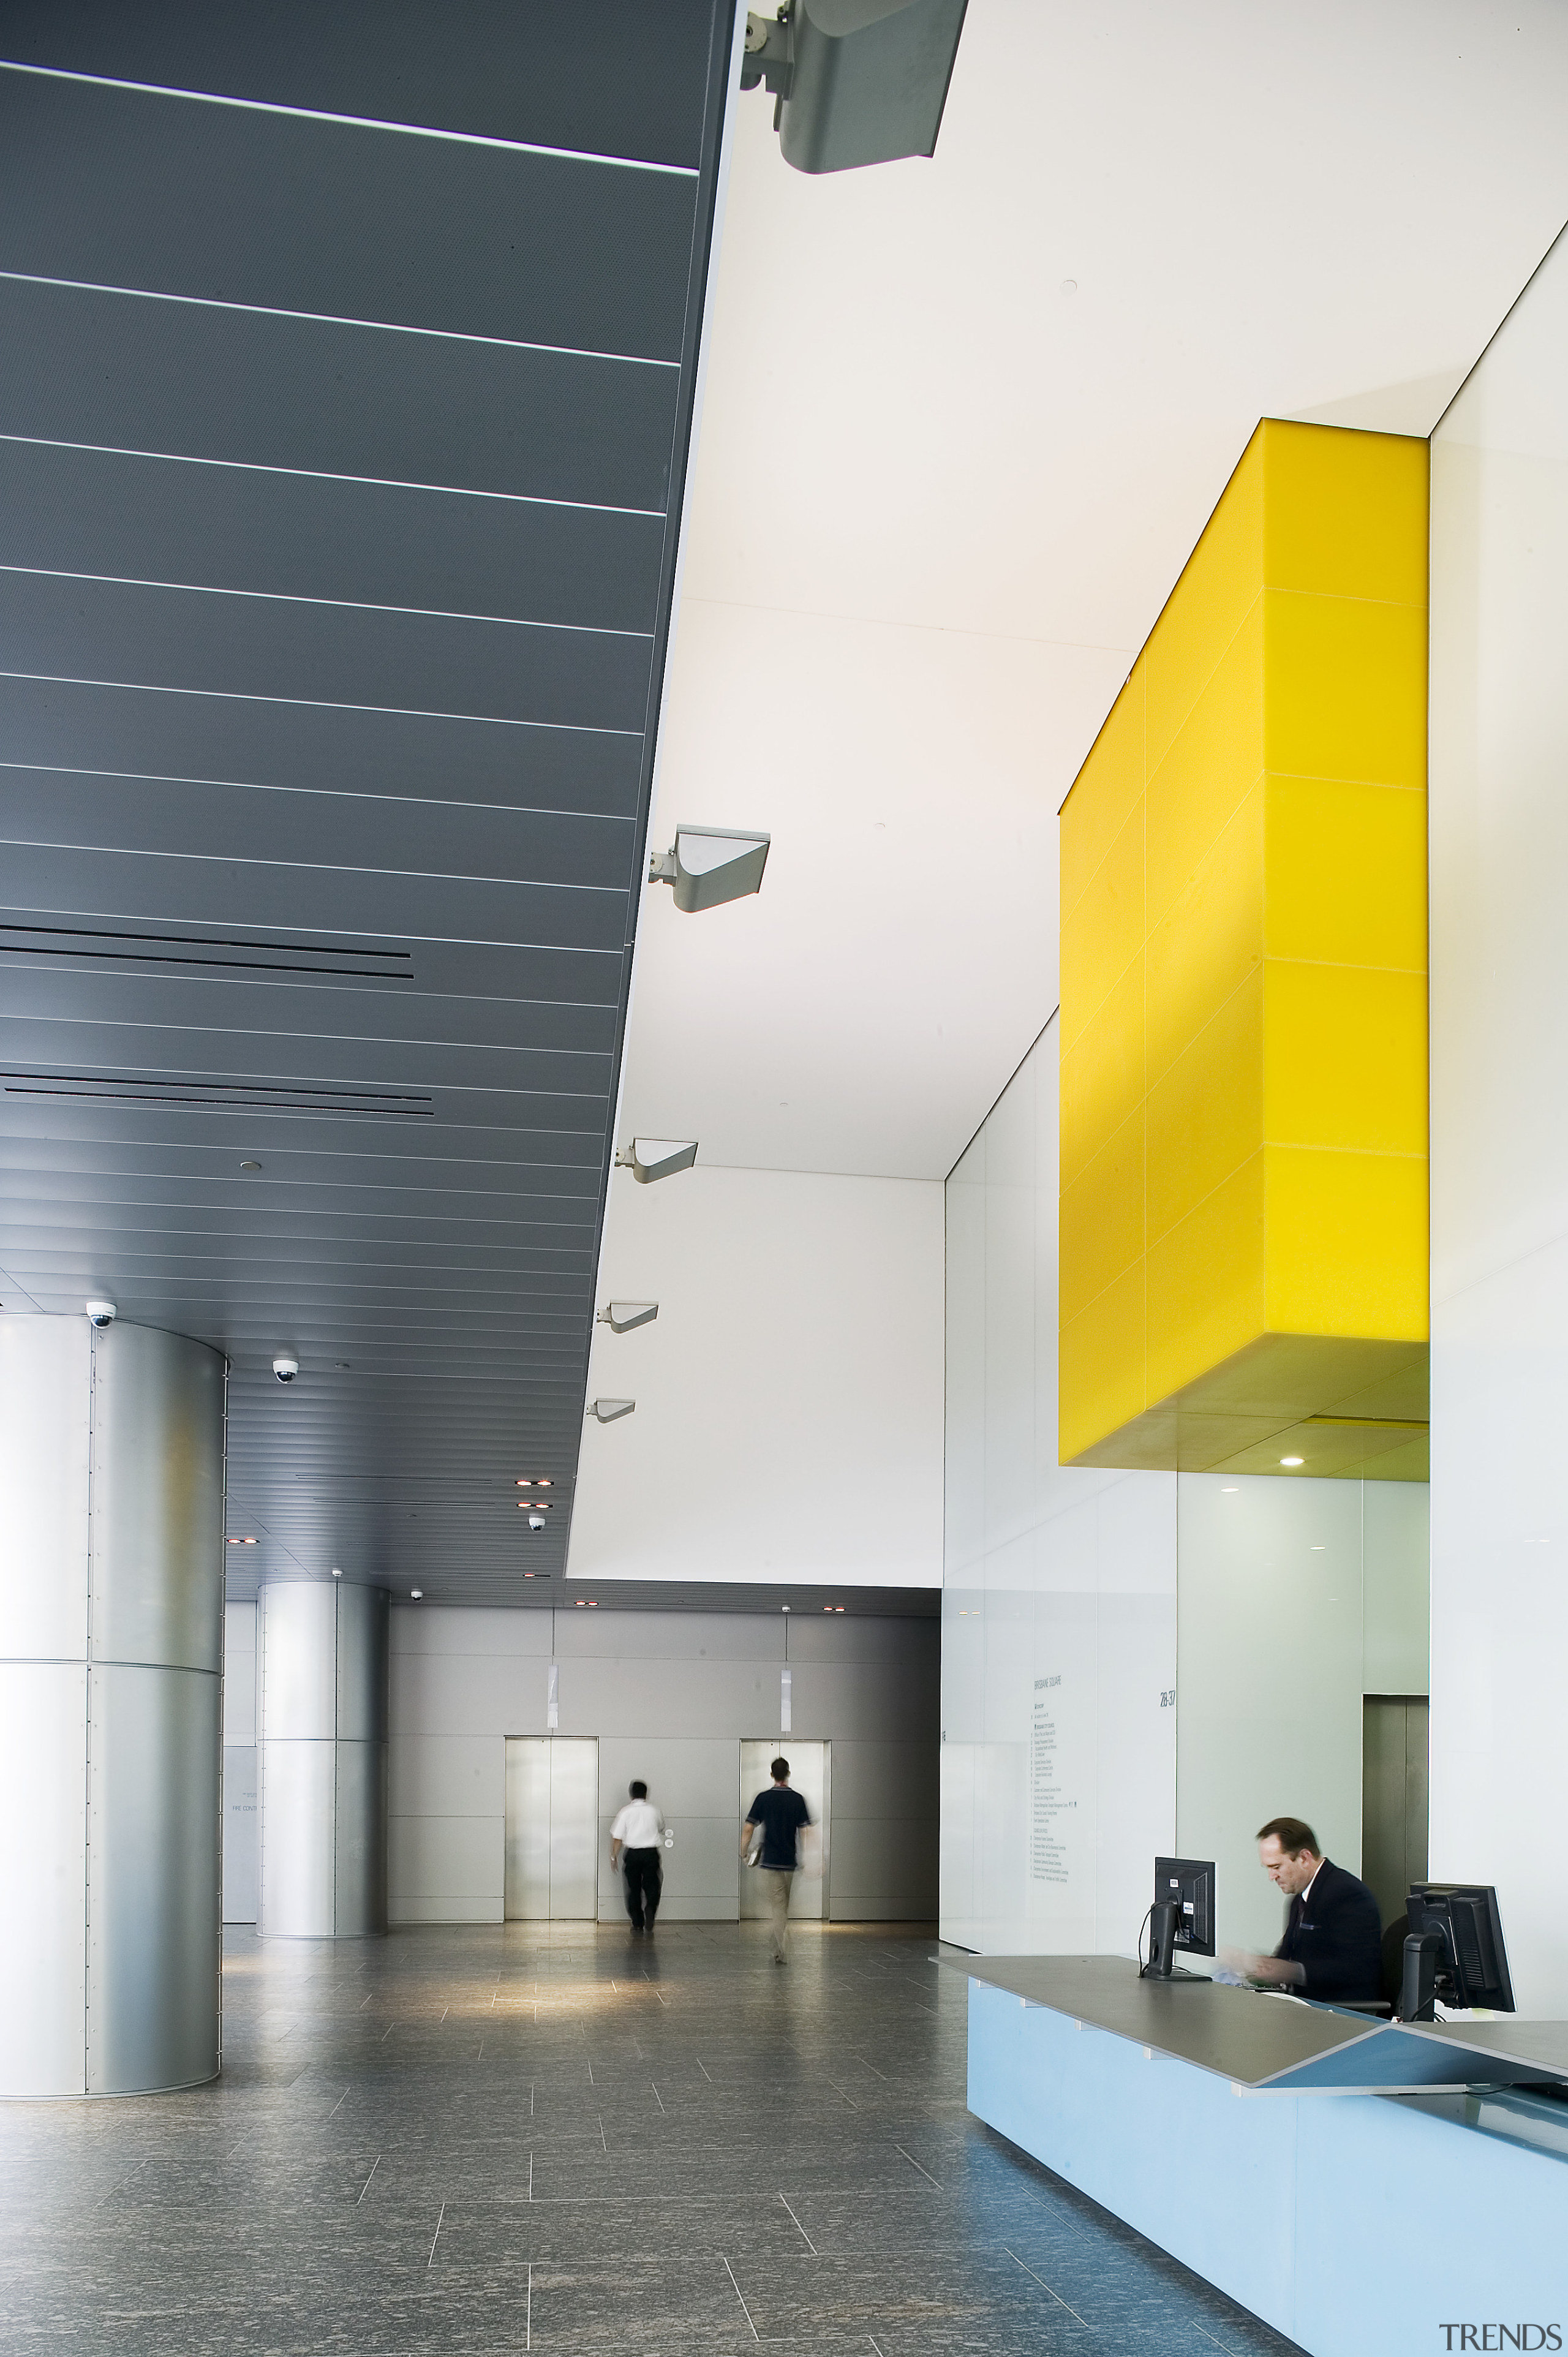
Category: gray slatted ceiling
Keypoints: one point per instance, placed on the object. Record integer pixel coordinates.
(343, 425)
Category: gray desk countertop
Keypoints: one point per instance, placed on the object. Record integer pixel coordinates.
(1237, 2032)
(1261, 2041)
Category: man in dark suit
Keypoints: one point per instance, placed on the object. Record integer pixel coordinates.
(1333, 1942)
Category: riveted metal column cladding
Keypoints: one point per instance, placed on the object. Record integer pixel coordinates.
(111, 1656)
(322, 1691)
(1243, 993)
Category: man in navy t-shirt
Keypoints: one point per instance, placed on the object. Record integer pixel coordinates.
(777, 1814)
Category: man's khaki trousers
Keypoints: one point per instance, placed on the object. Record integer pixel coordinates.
(779, 1887)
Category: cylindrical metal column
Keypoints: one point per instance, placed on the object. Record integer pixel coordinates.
(322, 1696)
(110, 1674)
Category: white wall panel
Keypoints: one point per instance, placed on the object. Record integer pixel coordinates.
(788, 1395)
(453, 1694)
(476, 1629)
(752, 1637)
(1060, 1712)
(1269, 1674)
(1058, 1635)
(448, 1775)
(1499, 1129)
(1396, 1568)
(447, 1870)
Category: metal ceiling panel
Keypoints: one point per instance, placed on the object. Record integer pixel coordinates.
(137, 733)
(108, 515)
(340, 460)
(205, 386)
(514, 69)
(344, 220)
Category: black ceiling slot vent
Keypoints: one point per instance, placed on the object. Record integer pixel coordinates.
(206, 952)
(223, 1096)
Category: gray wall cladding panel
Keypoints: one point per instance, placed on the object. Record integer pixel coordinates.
(133, 518)
(518, 69)
(149, 815)
(134, 732)
(342, 220)
(337, 504)
(110, 370)
(574, 1042)
(198, 644)
(221, 895)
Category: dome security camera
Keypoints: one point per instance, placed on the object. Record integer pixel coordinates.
(100, 1313)
(537, 1523)
(285, 1370)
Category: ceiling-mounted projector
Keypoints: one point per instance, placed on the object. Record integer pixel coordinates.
(711, 865)
(856, 81)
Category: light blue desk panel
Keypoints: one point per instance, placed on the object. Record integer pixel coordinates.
(1354, 2225)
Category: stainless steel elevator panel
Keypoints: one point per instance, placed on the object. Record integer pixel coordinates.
(552, 1828)
(1393, 1797)
(811, 1774)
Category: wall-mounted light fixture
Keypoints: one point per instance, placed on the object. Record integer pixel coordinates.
(610, 1411)
(710, 865)
(648, 1158)
(854, 82)
(620, 1317)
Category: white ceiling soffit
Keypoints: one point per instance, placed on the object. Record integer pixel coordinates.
(963, 422)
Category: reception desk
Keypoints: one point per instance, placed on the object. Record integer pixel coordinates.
(1357, 2184)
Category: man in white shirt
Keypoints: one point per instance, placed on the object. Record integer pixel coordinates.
(636, 1839)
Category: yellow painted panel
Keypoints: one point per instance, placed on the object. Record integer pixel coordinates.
(1105, 931)
(1101, 1218)
(1345, 515)
(1209, 770)
(1102, 1075)
(1345, 688)
(1347, 1059)
(1346, 872)
(1346, 1244)
(1206, 1284)
(1206, 945)
(1206, 1116)
(1207, 606)
(1101, 1357)
(1104, 793)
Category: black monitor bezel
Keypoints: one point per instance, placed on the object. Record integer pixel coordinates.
(1183, 1870)
(1437, 1895)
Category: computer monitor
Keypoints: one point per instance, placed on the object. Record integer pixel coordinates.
(1454, 1949)
(1181, 1919)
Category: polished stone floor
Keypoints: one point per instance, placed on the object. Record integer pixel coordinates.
(563, 2139)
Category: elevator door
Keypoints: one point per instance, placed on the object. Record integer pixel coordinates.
(552, 1828)
(1393, 1797)
(810, 1773)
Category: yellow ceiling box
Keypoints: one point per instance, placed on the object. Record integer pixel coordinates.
(1243, 993)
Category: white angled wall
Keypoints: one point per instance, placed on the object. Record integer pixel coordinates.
(1131, 1663)
(1499, 1131)
(670, 1695)
(788, 1419)
(1058, 1606)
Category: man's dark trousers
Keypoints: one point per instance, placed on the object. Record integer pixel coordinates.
(644, 1880)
